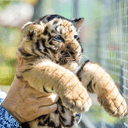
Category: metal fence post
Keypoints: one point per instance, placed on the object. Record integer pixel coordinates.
(121, 88)
(38, 10)
(121, 79)
(76, 8)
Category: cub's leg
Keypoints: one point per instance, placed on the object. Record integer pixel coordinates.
(97, 80)
(50, 77)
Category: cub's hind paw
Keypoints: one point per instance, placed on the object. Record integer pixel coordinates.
(116, 107)
(78, 103)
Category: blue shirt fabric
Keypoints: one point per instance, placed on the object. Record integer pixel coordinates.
(6, 120)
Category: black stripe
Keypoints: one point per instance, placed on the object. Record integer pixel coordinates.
(77, 19)
(56, 112)
(31, 64)
(45, 50)
(42, 18)
(89, 84)
(94, 85)
(19, 77)
(59, 126)
(55, 22)
(45, 89)
(43, 41)
(62, 119)
(38, 45)
(89, 87)
(52, 50)
(31, 34)
(53, 31)
(62, 110)
(25, 125)
(40, 124)
(26, 70)
(51, 17)
(51, 43)
(24, 53)
(49, 35)
(82, 66)
(44, 121)
(68, 125)
(51, 124)
(45, 31)
(43, 117)
(82, 50)
(33, 49)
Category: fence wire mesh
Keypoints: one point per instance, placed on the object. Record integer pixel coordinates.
(109, 45)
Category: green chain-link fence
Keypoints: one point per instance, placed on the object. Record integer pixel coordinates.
(109, 46)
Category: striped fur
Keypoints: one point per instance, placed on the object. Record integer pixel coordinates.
(98, 81)
(48, 60)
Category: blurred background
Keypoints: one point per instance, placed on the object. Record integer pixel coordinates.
(104, 37)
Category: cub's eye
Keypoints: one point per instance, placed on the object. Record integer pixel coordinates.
(58, 38)
(62, 52)
(76, 37)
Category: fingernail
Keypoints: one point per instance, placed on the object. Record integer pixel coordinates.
(55, 97)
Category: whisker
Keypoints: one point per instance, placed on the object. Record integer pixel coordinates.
(71, 59)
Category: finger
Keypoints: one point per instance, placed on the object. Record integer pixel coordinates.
(46, 110)
(49, 100)
(53, 97)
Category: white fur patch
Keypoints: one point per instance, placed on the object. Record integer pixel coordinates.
(26, 24)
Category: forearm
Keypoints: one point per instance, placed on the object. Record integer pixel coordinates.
(50, 77)
(96, 79)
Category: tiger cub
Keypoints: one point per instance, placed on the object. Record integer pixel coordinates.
(49, 61)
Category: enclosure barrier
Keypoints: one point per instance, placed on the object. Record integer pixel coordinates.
(109, 45)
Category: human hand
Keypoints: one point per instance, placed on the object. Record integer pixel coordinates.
(25, 103)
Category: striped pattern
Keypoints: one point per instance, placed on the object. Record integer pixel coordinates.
(56, 38)
(50, 37)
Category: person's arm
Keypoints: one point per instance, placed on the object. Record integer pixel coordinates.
(25, 104)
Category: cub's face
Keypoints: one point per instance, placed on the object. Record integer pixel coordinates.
(56, 39)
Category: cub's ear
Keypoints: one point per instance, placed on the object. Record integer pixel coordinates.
(78, 22)
(30, 29)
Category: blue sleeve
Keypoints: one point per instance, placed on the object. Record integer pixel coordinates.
(6, 120)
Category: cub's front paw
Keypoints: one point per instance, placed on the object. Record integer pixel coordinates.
(116, 107)
(78, 101)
